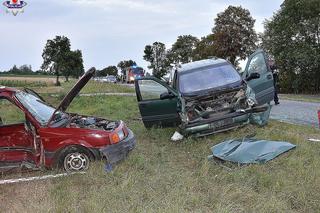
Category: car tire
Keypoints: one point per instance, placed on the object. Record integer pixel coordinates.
(75, 159)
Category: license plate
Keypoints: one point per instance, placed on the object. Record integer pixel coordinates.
(220, 123)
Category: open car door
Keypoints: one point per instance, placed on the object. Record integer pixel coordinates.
(263, 85)
(157, 102)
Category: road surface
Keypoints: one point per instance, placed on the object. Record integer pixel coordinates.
(297, 112)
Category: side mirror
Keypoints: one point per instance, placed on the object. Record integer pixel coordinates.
(166, 95)
(253, 75)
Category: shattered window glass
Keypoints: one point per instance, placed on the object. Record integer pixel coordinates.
(257, 64)
(151, 90)
(41, 111)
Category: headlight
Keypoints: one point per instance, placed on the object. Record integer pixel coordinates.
(118, 136)
(121, 134)
(250, 102)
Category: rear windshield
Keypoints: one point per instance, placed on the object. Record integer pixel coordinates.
(208, 78)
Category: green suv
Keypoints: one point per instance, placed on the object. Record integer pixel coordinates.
(208, 96)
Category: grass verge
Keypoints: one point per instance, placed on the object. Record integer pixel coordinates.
(296, 97)
(161, 176)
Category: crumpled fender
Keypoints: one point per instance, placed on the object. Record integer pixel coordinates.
(260, 118)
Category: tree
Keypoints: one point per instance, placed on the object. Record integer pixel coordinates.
(156, 54)
(74, 66)
(55, 56)
(110, 70)
(292, 36)
(182, 50)
(205, 48)
(14, 70)
(25, 69)
(122, 65)
(234, 36)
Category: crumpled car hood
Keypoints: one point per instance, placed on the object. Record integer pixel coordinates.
(249, 150)
(64, 104)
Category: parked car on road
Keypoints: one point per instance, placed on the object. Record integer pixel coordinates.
(50, 137)
(207, 96)
(107, 79)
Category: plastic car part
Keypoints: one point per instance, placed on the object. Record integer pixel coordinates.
(176, 136)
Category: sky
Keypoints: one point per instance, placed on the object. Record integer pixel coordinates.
(108, 31)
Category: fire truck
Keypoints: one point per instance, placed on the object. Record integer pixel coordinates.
(132, 73)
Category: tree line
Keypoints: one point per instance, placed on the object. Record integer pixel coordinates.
(22, 70)
(233, 38)
(291, 38)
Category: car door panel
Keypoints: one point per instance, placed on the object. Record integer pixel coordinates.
(263, 86)
(153, 110)
(17, 142)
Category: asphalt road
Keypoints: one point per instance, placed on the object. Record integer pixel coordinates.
(297, 112)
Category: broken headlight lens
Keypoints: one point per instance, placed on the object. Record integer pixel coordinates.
(251, 102)
(121, 134)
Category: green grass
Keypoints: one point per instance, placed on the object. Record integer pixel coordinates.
(297, 97)
(21, 83)
(10, 114)
(91, 87)
(45, 85)
(162, 176)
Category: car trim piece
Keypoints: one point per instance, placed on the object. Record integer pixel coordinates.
(16, 149)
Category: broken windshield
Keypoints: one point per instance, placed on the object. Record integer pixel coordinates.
(40, 110)
(208, 78)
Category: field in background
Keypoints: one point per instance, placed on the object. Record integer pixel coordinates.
(162, 176)
(45, 85)
(26, 81)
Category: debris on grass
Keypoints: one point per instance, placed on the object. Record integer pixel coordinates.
(108, 167)
(314, 140)
(247, 150)
(176, 136)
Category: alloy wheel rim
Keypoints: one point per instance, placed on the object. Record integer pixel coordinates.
(76, 162)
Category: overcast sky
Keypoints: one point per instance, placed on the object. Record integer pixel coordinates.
(107, 31)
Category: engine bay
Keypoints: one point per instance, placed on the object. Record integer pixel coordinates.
(216, 104)
(78, 121)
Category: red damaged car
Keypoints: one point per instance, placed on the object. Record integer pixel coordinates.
(48, 137)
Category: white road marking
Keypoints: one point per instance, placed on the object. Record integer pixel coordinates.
(19, 180)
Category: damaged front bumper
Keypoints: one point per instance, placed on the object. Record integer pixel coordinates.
(222, 123)
(117, 152)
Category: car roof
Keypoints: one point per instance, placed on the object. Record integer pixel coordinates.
(201, 63)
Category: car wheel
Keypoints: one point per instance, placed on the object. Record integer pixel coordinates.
(75, 159)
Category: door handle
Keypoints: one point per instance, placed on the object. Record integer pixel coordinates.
(269, 76)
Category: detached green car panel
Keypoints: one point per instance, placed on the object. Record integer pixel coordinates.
(207, 96)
